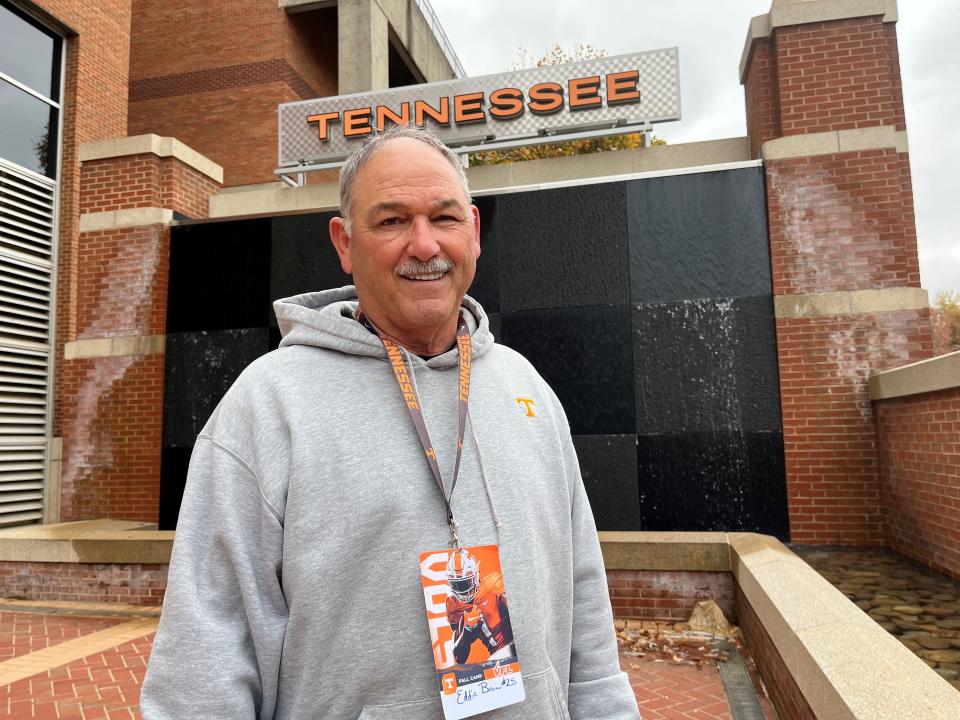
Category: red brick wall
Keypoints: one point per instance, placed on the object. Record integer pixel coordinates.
(668, 595)
(146, 180)
(123, 280)
(842, 222)
(919, 438)
(112, 429)
(828, 426)
(763, 103)
(84, 582)
(838, 75)
(235, 127)
(112, 407)
(235, 61)
(784, 692)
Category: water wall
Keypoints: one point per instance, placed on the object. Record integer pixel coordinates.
(646, 304)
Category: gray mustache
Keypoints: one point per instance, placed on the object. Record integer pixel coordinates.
(435, 264)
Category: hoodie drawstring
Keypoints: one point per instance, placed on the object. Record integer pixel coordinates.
(473, 431)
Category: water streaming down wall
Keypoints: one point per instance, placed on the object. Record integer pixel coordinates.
(647, 306)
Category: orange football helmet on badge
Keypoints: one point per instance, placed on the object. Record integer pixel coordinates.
(463, 575)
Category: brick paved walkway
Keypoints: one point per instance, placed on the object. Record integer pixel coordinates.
(86, 666)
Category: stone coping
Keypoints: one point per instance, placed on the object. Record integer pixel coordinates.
(114, 346)
(128, 217)
(151, 144)
(87, 541)
(850, 302)
(608, 166)
(846, 666)
(803, 12)
(878, 137)
(939, 373)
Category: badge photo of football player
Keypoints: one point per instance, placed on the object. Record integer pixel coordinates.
(477, 611)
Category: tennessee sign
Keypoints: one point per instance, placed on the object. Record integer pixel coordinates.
(607, 95)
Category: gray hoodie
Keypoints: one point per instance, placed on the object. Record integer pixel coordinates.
(294, 587)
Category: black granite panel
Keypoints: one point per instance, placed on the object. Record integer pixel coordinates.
(713, 481)
(563, 248)
(302, 258)
(219, 276)
(496, 325)
(174, 463)
(200, 368)
(608, 464)
(584, 353)
(698, 236)
(704, 365)
(486, 283)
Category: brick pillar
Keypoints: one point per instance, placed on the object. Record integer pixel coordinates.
(825, 112)
(130, 191)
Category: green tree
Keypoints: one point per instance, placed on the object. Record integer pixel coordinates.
(557, 55)
(945, 316)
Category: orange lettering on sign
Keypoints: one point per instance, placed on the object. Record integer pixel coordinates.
(545, 98)
(506, 103)
(422, 109)
(585, 93)
(622, 87)
(357, 122)
(384, 113)
(468, 108)
(323, 121)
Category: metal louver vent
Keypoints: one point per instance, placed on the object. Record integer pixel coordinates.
(26, 273)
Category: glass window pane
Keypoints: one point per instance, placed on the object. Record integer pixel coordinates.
(28, 54)
(28, 130)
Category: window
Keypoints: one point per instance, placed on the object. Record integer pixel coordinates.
(29, 92)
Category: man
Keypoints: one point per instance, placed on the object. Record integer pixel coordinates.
(294, 587)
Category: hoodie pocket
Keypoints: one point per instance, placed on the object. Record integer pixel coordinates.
(544, 701)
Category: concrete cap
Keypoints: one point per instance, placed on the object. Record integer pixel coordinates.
(939, 373)
(784, 13)
(153, 145)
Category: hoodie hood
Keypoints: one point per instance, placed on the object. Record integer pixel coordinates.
(325, 319)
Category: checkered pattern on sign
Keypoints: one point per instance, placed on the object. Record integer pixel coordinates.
(659, 101)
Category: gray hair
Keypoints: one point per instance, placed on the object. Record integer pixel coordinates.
(362, 155)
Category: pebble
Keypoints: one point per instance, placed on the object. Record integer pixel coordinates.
(907, 610)
(941, 656)
(920, 607)
(930, 642)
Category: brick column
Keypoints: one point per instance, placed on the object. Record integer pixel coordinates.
(825, 112)
(130, 191)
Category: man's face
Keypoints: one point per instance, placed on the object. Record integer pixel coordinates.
(414, 240)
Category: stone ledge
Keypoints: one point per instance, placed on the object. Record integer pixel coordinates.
(115, 346)
(784, 13)
(846, 666)
(850, 302)
(153, 145)
(880, 137)
(131, 217)
(88, 541)
(939, 373)
(608, 166)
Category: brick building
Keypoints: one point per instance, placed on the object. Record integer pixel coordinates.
(150, 139)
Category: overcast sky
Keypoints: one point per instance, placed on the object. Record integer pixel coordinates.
(486, 36)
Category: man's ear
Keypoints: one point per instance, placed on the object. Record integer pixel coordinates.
(341, 243)
(476, 226)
